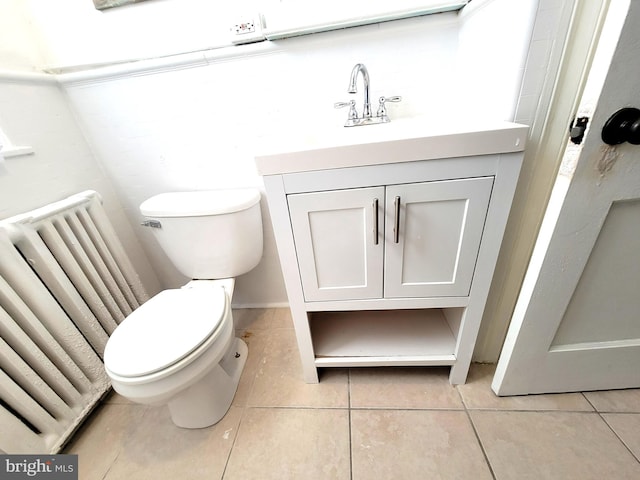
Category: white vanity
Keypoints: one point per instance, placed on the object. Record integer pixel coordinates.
(388, 237)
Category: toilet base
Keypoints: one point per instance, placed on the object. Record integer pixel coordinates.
(206, 402)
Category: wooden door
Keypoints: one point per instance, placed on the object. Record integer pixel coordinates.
(577, 323)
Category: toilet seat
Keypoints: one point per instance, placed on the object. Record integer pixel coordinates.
(166, 330)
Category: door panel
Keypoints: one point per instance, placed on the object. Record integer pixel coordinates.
(605, 305)
(338, 254)
(440, 228)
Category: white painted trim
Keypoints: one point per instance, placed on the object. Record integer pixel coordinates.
(132, 69)
(166, 64)
(409, 361)
(290, 19)
(530, 362)
(12, 151)
(9, 150)
(26, 77)
(573, 49)
(93, 74)
(604, 345)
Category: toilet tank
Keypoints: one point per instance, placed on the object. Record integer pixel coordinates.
(208, 234)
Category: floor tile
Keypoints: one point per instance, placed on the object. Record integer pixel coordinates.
(477, 394)
(616, 400)
(552, 445)
(403, 388)
(291, 444)
(401, 444)
(158, 449)
(262, 318)
(255, 341)
(627, 427)
(117, 399)
(252, 318)
(100, 440)
(364, 424)
(282, 318)
(279, 382)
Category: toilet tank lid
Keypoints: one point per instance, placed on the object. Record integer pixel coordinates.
(200, 203)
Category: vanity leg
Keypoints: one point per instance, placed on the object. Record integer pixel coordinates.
(305, 345)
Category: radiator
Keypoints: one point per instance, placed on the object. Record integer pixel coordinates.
(65, 284)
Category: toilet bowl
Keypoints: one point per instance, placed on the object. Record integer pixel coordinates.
(194, 370)
(179, 347)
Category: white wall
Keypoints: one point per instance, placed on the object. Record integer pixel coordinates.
(493, 43)
(35, 112)
(198, 126)
(158, 127)
(19, 48)
(74, 34)
(193, 121)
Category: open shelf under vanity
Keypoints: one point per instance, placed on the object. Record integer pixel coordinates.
(385, 337)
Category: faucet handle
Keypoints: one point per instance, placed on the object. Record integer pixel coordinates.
(352, 108)
(382, 110)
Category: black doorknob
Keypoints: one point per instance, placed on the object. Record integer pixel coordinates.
(622, 126)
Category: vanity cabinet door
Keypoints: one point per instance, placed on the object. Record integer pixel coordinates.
(339, 238)
(433, 233)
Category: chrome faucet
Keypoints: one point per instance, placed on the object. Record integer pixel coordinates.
(353, 120)
(360, 68)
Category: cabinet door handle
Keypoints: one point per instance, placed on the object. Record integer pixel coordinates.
(375, 221)
(396, 222)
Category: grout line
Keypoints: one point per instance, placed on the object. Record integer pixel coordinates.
(618, 436)
(289, 407)
(589, 401)
(403, 409)
(610, 427)
(244, 408)
(233, 444)
(475, 432)
(106, 474)
(529, 410)
(349, 415)
(484, 452)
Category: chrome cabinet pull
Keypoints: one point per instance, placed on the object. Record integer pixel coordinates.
(396, 223)
(375, 221)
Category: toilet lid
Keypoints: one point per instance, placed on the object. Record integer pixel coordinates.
(164, 330)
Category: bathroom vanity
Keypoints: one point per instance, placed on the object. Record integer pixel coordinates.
(388, 237)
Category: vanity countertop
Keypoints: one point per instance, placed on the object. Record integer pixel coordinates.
(402, 140)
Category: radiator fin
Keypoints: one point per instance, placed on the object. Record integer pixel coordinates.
(65, 284)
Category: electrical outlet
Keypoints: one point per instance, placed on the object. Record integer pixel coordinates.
(243, 28)
(246, 29)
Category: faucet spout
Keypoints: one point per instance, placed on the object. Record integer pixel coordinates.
(360, 68)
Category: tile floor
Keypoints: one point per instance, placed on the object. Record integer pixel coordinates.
(365, 424)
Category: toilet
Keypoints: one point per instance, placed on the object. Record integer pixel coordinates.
(179, 347)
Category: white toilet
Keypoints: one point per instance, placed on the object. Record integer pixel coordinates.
(179, 347)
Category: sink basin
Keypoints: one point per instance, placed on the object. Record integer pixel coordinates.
(402, 140)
